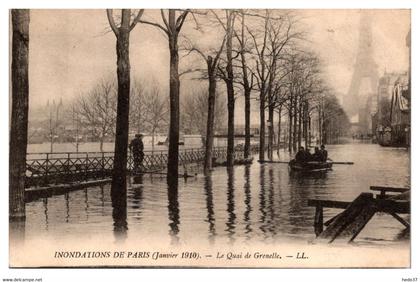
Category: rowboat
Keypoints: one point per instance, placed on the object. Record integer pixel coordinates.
(312, 166)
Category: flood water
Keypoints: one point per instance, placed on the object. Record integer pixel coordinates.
(259, 202)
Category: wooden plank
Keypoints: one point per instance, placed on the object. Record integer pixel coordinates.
(389, 189)
(400, 219)
(352, 219)
(328, 222)
(328, 204)
(360, 221)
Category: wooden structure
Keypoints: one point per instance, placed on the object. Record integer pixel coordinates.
(356, 214)
(43, 169)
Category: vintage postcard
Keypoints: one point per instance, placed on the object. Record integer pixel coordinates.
(223, 138)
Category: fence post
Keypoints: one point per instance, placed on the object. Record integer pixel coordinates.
(68, 171)
(47, 169)
(103, 164)
(86, 166)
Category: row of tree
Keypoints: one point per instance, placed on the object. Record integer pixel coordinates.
(260, 54)
(93, 114)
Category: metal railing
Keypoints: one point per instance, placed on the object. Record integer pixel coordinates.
(68, 167)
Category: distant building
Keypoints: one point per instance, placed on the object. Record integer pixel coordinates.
(400, 114)
(393, 113)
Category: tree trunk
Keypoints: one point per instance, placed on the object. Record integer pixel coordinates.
(319, 127)
(309, 130)
(19, 118)
(295, 116)
(300, 125)
(101, 144)
(153, 140)
(247, 148)
(210, 118)
(230, 92)
(119, 182)
(231, 126)
(279, 132)
(305, 124)
(262, 123)
(290, 128)
(247, 91)
(173, 150)
(270, 131)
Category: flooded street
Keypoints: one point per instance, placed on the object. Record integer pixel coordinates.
(255, 203)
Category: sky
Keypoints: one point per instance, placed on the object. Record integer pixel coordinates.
(70, 50)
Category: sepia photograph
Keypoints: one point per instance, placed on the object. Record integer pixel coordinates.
(209, 138)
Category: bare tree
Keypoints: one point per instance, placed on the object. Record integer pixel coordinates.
(211, 59)
(53, 121)
(227, 74)
(96, 110)
(122, 33)
(247, 81)
(19, 119)
(137, 107)
(156, 111)
(195, 110)
(172, 25)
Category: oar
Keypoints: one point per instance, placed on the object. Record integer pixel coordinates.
(286, 162)
(344, 163)
(274, 162)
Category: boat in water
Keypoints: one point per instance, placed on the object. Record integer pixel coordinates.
(311, 166)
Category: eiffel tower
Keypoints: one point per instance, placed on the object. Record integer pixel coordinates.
(365, 70)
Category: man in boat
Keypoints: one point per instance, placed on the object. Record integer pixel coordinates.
(317, 156)
(323, 153)
(136, 148)
(301, 155)
(308, 155)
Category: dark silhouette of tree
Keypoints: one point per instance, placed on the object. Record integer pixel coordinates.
(122, 33)
(19, 119)
(172, 25)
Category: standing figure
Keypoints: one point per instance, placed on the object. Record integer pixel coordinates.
(324, 154)
(136, 148)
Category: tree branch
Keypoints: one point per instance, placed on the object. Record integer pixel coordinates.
(136, 19)
(112, 22)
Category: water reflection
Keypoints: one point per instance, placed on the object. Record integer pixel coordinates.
(230, 224)
(136, 195)
(67, 199)
(17, 230)
(265, 203)
(173, 210)
(262, 202)
(247, 201)
(45, 204)
(271, 227)
(208, 188)
(102, 199)
(86, 203)
(119, 210)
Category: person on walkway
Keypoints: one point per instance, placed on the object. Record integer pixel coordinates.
(324, 154)
(137, 150)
